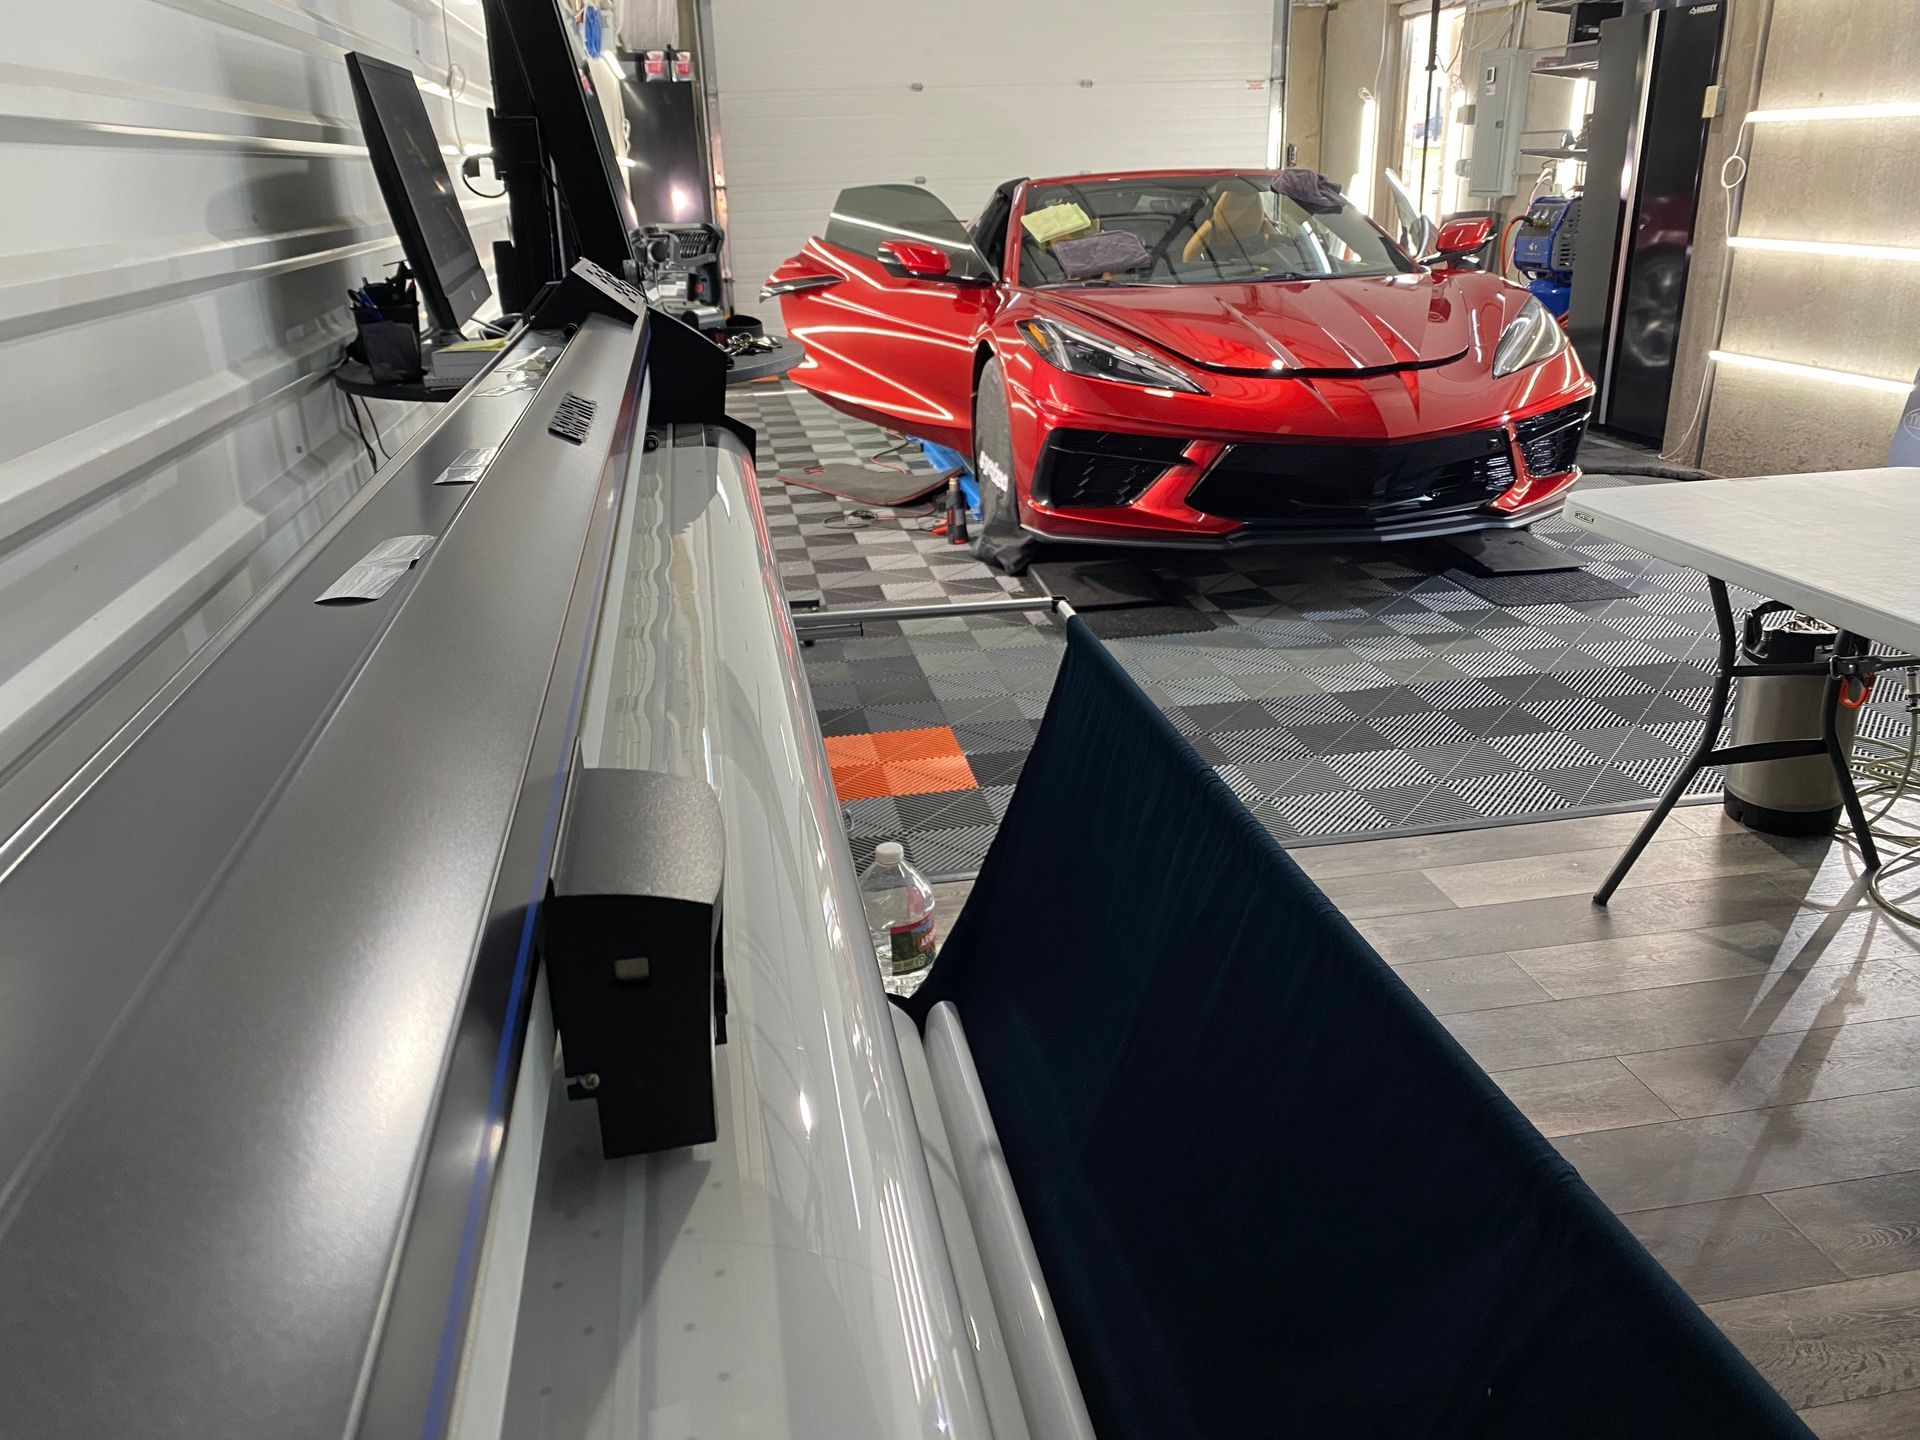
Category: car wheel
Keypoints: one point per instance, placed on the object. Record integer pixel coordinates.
(1001, 541)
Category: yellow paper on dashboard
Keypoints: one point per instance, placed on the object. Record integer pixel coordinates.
(1056, 222)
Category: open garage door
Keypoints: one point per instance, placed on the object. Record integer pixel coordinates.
(960, 98)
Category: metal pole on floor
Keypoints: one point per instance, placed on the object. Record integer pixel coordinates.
(808, 623)
(1426, 115)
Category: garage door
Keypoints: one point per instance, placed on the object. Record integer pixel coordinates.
(960, 98)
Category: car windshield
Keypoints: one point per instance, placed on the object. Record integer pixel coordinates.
(1195, 230)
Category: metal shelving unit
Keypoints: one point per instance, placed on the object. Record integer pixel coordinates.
(1574, 62)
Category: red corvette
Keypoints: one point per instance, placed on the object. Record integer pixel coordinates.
(1192, 357)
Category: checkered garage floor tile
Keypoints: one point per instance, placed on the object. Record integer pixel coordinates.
(1340, 693)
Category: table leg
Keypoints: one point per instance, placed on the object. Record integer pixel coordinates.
(1836, 752)
(1709, 739)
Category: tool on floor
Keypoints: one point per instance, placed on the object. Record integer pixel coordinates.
(956, 512)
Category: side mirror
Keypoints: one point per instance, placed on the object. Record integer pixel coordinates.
(915, 260)
(1461, 237)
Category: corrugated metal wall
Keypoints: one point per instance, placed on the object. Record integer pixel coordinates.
(184, 198)
(814, 98)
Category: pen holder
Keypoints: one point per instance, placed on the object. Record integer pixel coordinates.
(390, 342)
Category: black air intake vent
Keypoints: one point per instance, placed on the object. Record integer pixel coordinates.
(1356, 486)
(1550, 443)
(1094, 468)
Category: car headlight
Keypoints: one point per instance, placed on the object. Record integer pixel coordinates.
(1532, 336)
(1069, 348)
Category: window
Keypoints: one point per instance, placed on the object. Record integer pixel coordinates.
(1197, 230)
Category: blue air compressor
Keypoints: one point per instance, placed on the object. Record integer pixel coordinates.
(1543, 249)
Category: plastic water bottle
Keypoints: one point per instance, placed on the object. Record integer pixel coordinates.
(899, 906)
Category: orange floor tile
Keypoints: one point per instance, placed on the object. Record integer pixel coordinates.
(898, 762)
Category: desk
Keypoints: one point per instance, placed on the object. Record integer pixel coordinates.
(1840, 546)
(431, 389)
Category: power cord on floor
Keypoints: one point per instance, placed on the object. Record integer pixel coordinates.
(1888, 770)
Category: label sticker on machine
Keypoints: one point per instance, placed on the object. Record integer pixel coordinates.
(468, 466)
(374, 573)
(525, 374)
(405, 548)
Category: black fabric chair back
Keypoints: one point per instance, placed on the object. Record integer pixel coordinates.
(1271, 1195)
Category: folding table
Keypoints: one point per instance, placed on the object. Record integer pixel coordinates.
(1843, 546)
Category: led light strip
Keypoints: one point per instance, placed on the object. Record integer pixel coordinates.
(1890, 110)
(1827, 247)
(1811, 372)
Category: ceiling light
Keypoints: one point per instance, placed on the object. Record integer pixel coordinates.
(1812, 372)
(1827, 247)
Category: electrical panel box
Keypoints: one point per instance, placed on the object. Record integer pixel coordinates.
(1500, 120)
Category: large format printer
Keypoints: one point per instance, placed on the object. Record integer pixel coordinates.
(286, 1142)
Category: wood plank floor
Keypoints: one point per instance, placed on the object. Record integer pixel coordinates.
(1730, 1054)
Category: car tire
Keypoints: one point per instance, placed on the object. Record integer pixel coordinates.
(1001, 542)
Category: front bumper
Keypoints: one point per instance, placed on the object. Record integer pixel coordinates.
(1247, 536)
(1119, 488)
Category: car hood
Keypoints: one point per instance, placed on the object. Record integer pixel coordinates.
(1334, 326)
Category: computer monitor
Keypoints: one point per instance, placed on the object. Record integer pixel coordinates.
(419, 192)
(537, 40)
(668, 179)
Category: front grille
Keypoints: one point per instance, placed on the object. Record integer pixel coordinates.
(1095, 468)
(1338, 486)
(1551, 442)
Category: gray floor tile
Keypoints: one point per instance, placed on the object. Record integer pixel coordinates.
(1470, 982)
(1396, 893)
(1643, 962)
(1631, 1022)
(1832, 1342)
(1526, 924)
(1725, 1249)
(1579, 872)
(1415, 852)
(1866, 1227)
(1749, 1153)
(1580, 1096)
(1893, 1416)
(1855, 1057)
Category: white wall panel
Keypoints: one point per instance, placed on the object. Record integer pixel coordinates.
(187, 198)
(816, 98)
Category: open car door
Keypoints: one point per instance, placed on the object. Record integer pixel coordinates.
(889, 305)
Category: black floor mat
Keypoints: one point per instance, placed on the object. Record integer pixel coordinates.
(1559, 587)
(867, 486)
(1505, 552)
(1100, 584)
(1144, 620)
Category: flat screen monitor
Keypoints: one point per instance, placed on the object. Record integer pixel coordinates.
(419, 191)
(573, 129)
(668, 179)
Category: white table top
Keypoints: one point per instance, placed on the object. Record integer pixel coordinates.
(1842, 545)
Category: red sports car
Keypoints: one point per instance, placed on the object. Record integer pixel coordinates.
(1190, 357)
